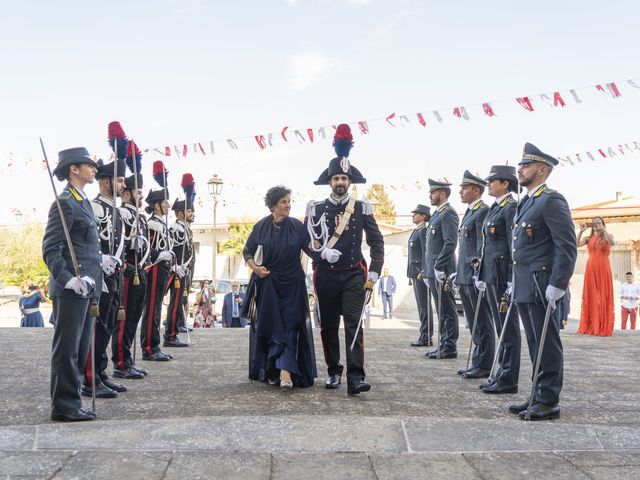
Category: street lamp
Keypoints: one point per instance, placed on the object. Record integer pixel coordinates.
(215, 187)
(18, 215)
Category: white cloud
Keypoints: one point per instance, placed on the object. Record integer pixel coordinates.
(291, 3)
(358, 2)
(309, 68)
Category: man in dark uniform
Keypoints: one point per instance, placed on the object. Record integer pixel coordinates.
(135, 280)
(495, 276)
(469, 253)
(544, 256)
(340, 271)
(111, 244)
(182, 249)
(158, 274)
(439, 264)
(71, 293)
(415, 254)
(183, 324)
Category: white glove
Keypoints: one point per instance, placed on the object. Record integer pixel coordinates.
(373, 276)
(165, 256)
(509, 288)
(426, 281)
(331, 255)
(138, 243)
(480, 285)
(81, 286)
(440, 276)
(180, 270)
(553, 294)
(109, 264)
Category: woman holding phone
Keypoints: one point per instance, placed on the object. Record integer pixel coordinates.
(29, 304)
(597, 314)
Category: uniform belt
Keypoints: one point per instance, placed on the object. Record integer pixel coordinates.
(31, 310)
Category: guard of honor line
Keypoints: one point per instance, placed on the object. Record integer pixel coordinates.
(509, 261)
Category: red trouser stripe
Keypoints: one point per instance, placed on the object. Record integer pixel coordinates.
(174, 314)
(88, 371)
(152, 303)
(121, 325)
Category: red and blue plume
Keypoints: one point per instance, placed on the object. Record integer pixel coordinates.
(133, 152)
(189, 186)
(160, 173)
(343, 140)
(118, 140)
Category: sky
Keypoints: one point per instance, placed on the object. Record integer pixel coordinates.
(175, 72)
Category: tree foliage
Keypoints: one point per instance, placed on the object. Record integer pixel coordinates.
(383, 208)
(21, 255)
(239, 231)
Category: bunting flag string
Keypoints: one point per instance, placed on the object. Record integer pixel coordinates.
(530, 103)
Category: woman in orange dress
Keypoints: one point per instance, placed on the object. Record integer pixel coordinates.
(597, 314)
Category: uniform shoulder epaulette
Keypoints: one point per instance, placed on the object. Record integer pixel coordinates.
(71, 193)
(126, 214)
(155, 225)
(367, 206)
(549, 191)
(311, 208)
(98, 209)
(65, 195)
(176, 227)
(478, 205)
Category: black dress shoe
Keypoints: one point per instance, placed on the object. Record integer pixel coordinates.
(102, 391)
(518, 407)
(182, 329)
(500, 387)
(461, 371)
(156, 357)
(333, 382)
(540, 411)
(166, 354)
(421, 343)
(443, 354)
(477, 373)
(89, 412)
(139, 370)
(116, 387)
(75, 416)
(482, 386)
(358, 387)
(129, 373)
(174, 343)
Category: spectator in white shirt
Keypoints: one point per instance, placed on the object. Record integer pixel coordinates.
(629, 296)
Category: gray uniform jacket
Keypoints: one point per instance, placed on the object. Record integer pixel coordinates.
(81, 223)
(415, 250)
(495, 267)
(470, 242)
(442, 238)
(544, 245)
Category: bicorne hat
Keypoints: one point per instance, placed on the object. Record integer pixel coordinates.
(107, 170)
(342, 143)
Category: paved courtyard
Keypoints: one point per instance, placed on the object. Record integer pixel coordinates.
(199, 417)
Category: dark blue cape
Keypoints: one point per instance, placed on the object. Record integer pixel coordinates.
(281, 337)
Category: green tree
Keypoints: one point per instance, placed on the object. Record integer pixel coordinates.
(21, 255)
(383, 208)
(239, 231)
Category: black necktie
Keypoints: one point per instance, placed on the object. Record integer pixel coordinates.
(495, 204)
(524, 199)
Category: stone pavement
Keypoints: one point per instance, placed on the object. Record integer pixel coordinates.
(199, 417)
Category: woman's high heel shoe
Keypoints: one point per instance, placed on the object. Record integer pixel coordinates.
(285, 382)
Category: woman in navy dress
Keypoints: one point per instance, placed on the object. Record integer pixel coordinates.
(281, 340)
(29, 304)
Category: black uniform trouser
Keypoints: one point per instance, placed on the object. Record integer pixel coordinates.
(69, 351)
(133, 301)
(448, 324)
(550, 375)
(509, 355)
(157, 279)
(425, 311)
(175, 312)
(484, 336)
(341, 293)
(104, 327)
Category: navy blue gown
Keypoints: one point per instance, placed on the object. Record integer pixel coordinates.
(280, 336)
(31, 319)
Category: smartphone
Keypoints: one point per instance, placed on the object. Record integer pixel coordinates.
(33, 287)
(590, 225)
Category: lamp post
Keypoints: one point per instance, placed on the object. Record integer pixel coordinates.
(215, 187)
